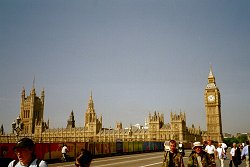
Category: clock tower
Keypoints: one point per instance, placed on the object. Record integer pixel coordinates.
(213, 109)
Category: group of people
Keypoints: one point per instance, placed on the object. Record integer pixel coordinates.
(240, 153)
(204, 155)
(25, 152)
(83, 159)
(198, 157)
(201, 156)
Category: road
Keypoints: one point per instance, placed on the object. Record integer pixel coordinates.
(133, 160)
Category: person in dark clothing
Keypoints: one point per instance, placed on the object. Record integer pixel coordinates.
(235, 156)
(84, 159)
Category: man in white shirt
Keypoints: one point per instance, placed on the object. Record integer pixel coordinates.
(210, 149)
(64, 152)
(221, 152)
(235, 155)
(25, 152)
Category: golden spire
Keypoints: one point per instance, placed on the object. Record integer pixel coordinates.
(33, 86)
(210, 75)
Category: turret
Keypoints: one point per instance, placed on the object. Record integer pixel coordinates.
(71, 120)
(42, 96)
(23, 94)
(1, 130)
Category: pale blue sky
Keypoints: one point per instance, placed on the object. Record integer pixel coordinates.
(137, 56)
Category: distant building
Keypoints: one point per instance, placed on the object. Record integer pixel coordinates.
(227, 135)
(247, 134)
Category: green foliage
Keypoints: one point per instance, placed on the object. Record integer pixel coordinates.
(240, 139)
(229, 141)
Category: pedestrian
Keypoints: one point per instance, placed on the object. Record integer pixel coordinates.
(210, 149)
(239, 148)
(235, 156)
(81, 152)
(221, 154)
(173, 157)
(224, 146)
(84, 159)
(200, 158)
(64, 152)
(204, 144)
(25, 151)
(181, 149)
(245, 153)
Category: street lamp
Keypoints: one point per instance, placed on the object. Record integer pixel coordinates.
(17, 126)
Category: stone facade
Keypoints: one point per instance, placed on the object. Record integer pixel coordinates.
(155, 129)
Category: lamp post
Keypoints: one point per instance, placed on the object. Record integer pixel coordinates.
(17, 126)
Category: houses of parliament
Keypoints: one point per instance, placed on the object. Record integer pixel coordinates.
(32, 124)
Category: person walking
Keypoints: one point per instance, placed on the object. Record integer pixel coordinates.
(64, 152)
(200, 158)
(235, 156)
(84, 159)
(224, 146)
(245, 153)
(210, 149)
(181, 149)
(221, 154)
(173, 157)
(25, 151)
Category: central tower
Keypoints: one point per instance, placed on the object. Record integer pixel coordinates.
(32, 111)
(92, 124)
(213, 109)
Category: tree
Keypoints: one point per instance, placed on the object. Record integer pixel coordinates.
(229, 141)
(242, 138)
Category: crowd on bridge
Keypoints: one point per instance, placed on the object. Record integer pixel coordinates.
(204, 154)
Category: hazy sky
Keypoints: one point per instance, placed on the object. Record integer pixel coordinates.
(136, 56)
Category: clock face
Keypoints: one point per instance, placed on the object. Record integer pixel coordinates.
(211, 98)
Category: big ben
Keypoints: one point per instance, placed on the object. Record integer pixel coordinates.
(213, 109)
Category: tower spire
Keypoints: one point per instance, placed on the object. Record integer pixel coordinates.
(211, 78)
(91, 104)
(91, 96)
(33, 85)
(210, 75)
